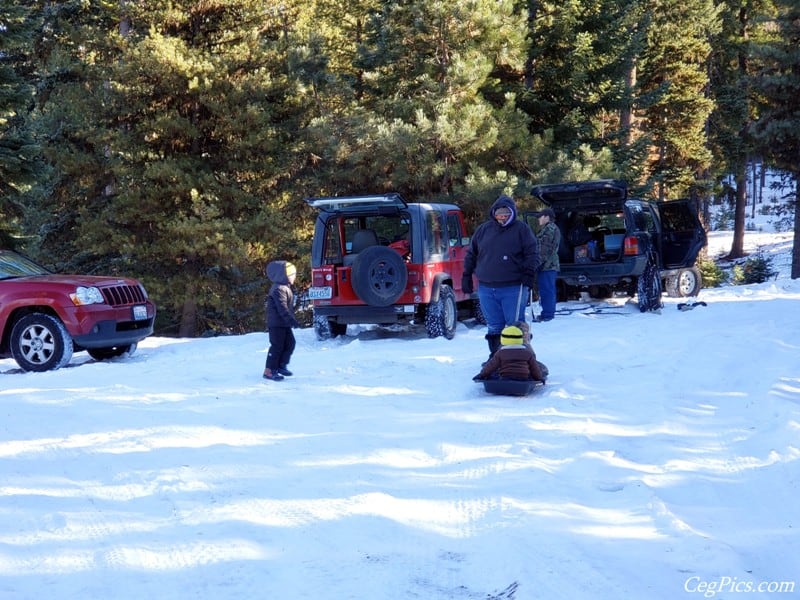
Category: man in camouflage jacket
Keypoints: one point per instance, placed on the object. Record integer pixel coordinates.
(549, 238)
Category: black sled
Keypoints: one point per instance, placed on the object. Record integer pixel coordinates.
(514, 387)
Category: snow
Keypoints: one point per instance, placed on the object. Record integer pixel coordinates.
(660, 461)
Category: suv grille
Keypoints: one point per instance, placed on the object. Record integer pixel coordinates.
(122, 294)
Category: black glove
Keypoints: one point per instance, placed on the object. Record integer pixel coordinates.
(529, 281)
(466, 284)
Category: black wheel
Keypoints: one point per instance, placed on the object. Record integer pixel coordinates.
(379, 275)
(441, 317)
(685, 284)
(326, 329)
(40, 342)
(648, 288)
(112, 352)
(322, 327)
(477, 312)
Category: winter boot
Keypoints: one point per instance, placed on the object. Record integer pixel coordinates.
(494, 343)
(274, 376)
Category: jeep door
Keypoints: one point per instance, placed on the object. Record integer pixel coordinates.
(458, 242)
(682, 234)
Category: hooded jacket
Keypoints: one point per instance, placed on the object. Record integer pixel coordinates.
(280, 299)
(503, 255)
(516, 361)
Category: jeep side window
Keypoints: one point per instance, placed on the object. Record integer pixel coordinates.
(676, 217)
(642, 219)
(434, 234)
(454, 233)
(649, 220)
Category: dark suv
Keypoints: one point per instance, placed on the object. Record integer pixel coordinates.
(380, 260)
(45, 317)
(613, 243)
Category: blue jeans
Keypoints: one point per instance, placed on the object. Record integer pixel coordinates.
(547, 293)
(502, 306)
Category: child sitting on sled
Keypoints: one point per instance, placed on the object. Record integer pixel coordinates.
(514, 360)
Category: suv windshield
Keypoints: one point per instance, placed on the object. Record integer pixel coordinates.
(14, 265)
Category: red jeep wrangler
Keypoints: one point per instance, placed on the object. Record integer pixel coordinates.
(380, 260)
(45, 317)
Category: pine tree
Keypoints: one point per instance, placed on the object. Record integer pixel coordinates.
(207, 120)
(672, 90)
(172, 166)
(430, 116)
(732, 66)
(19, 153)
(778, 126)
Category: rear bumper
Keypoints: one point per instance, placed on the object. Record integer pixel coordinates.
(597, 273)
(376, 315)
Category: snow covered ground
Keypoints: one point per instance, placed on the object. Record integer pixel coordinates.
(660, 461)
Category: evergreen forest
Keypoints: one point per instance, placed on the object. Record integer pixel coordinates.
(175, 140)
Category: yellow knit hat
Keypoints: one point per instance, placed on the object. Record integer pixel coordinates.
(511, 336)
(290, 269)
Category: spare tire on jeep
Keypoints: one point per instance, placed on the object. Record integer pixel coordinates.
(379, 275)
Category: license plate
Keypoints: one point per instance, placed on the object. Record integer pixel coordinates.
(139, 312)
(320, 293)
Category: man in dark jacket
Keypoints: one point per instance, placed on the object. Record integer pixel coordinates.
(504, 255)
(549, 238)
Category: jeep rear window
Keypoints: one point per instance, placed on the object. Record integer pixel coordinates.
(388, 228)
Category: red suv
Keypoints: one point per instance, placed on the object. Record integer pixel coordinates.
(380, 260)
(45, 317)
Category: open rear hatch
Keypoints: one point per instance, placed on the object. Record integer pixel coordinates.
(571, 196)
(379, 204)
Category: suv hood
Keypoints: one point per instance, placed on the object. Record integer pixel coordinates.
(565, 196)
(73, 281)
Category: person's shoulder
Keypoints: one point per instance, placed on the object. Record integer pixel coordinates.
(516, 350)
(522, 228)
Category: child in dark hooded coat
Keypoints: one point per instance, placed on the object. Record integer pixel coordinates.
(280, 319)
(515, 359)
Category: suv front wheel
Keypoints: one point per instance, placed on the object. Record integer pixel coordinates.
(40, 342)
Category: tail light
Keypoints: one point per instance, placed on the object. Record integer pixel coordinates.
(631, 245)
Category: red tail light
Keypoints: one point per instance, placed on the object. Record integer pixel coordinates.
(631, 245)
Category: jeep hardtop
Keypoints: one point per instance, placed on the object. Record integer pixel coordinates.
(609, 239)
(380, 260)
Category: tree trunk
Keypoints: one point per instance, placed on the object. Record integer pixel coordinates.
(740, 214)
(188, 326)
(796, 243)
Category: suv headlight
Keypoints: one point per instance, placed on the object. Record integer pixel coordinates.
(86, 295)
